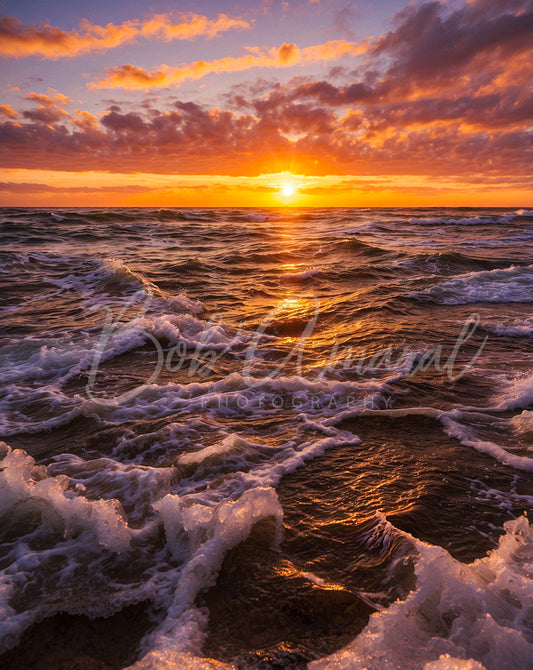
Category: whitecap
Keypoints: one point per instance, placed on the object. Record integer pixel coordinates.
(512, 284)
(458, 617)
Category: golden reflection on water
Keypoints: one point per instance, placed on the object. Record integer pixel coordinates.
(286, 569)
(297, 309)
(297, 306)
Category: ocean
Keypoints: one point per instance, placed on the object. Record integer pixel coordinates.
(266, 438)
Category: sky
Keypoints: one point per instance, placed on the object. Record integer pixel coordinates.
(291, 103)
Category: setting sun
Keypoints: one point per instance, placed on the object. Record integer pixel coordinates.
(288, 189)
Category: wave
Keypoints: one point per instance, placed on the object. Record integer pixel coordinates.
(246, 215)
(257, 218)
(59, 528)
(353, 244)
(513, 284)
(453, 427)
(516, 327)
(185, 215)
(60, 359)
(517, 392)
(188, 266)
(194, 216)
(98, 276)
(113, 215)
(168, 532)
(450, 262)
(459, 617)
(299, 276)
(167, 214)
(462, 221)
(453, 423)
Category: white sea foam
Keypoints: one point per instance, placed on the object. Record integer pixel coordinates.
(517, 392)
(458, 617)
(233, 444)
(70, 509)
(57, 360)
(135, 486)
(62, 529)
(193, 216)
(510, 328)
(463, 221)
(236, 395)
(22, 480)
(453, 427)
(19, 406)
(513, 284)
(201, 535)
(454, 424)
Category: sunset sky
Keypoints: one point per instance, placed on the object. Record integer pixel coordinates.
(308, 102)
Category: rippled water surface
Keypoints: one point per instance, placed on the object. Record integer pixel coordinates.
(267, 438)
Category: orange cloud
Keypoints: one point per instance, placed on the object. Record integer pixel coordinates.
(47, 111)
(445, 95)
(288, 54)
(47, 101)
(8, 111)
(279, 136)
(132, 77)
(334, 49)
(193, 25)
(18, 40)
(85, 121)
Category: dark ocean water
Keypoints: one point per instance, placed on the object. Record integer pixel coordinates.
(297, 437)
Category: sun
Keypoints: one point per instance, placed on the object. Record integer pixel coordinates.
(288, 189)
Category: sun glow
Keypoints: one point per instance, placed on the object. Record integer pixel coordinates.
(288, 189)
